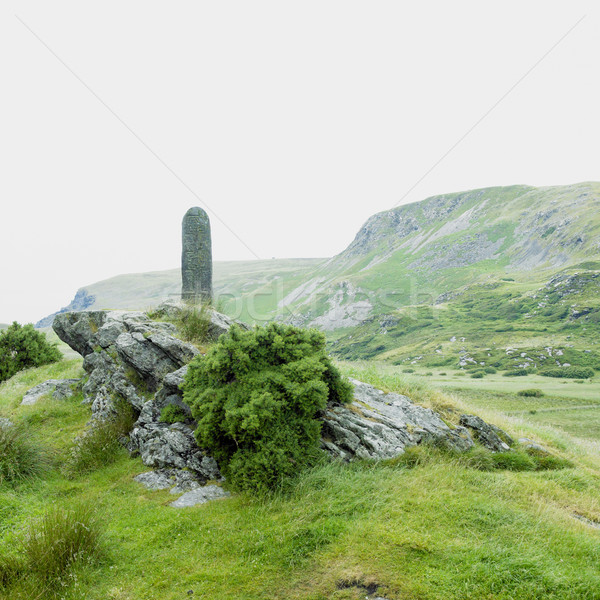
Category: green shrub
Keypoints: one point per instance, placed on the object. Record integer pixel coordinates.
(490, 370)
(478, 375)
(256, 395)
(569, 372)
(408, 370)
(516, 373)
(173, 414)
(59, 539)
(531, 393)
(22, 347)
(101, 443)
(21, 457)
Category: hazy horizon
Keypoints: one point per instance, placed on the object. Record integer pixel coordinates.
(290, 124)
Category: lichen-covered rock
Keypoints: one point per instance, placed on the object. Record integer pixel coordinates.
(534, 446)
(169, 393)
(161, 445)
(126, 355)
(178, 480)
(59, 388)
(380, 426)
(200, 495)
(489, 436)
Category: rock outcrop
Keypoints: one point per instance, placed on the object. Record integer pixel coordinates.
(489, 436)
(59, 388)
(379, 426)
(128, 357)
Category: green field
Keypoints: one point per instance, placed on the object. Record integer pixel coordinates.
(440, 530)
(567, 405)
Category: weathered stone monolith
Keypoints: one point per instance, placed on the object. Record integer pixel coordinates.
(196, 257)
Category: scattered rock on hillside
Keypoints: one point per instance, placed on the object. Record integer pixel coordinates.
(489, 436)
(200, 495)
(531, 445)
(178, 480)
(59, 388)
(5, 423)
(380, 426)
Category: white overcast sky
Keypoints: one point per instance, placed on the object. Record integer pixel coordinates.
(291, 121)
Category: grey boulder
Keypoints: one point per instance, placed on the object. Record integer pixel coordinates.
(59, 388)
(379, 426)
(161, 445)
(489, 436)
(177, 479)
(200, 495)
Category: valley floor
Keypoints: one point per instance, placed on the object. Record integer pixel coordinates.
(437, 529)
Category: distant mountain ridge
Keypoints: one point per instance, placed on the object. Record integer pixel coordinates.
(477, 260)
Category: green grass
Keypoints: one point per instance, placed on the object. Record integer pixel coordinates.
(440, 529)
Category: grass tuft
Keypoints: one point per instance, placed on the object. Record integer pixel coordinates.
(193, 323)
(59, 539)
(100, 445)
(21, 457)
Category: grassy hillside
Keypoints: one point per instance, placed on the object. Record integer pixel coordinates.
(506, 276)
(244, 289)
(413, 254)
(436, 527)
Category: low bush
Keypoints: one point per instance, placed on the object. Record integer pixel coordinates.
(478, 375)
(569, 372)
(490, 370)
(21, 456)
(531, 393)
(516, 373)
(256, 395)
(513, 460)
(408, 370)
(21, 347)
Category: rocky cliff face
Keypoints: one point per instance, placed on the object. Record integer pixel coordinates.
(81, 301)
(130, 358)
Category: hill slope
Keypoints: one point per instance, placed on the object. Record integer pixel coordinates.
(481, 276)
(412, 254)
(232, 280)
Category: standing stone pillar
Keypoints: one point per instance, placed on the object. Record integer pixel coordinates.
(196, 257)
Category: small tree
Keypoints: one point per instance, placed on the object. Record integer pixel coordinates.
(256, 395)
(22, 347)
